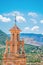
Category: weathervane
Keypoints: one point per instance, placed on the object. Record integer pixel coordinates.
(15, 19)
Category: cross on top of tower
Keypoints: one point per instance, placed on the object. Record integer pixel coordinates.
(15, 27)
(15, 19)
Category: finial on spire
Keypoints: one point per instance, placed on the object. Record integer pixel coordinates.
(15, 19)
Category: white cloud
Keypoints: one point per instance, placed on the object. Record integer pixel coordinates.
(33, 14)
(4, 19)
(19, 16)
(33, 20)
(17, 13)
(41, 21)
(13, 13)
(29, 30)
(26, 30)
(35, 28)
(20, 19)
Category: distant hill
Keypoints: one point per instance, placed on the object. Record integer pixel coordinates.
(3, 37)
(35, 37)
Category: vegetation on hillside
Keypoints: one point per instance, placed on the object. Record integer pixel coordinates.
(3, 37)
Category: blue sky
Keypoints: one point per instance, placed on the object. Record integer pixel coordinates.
(29, 15)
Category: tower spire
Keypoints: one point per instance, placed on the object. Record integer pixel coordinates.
(15, 19)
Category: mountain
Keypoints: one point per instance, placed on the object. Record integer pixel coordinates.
(3, 37)
(31, 38)
(37, 37)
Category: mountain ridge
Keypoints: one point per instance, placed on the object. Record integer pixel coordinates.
(3, 37)
(35, 37)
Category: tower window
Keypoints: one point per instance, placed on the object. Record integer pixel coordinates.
(17, 37)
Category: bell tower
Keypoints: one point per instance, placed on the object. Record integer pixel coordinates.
(14, 52)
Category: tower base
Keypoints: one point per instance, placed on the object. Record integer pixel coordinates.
(14, 60)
